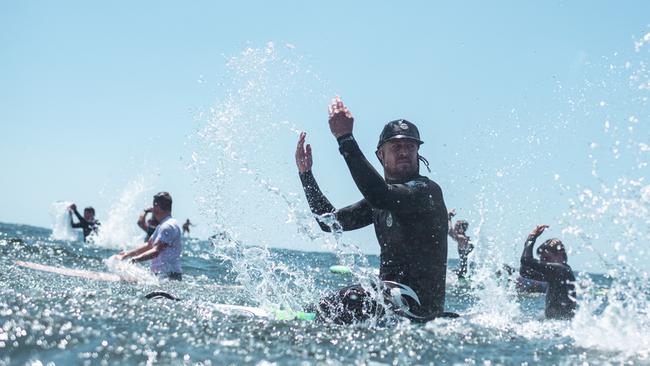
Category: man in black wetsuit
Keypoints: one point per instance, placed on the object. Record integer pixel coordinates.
(406, 209)
(87, 222)
(552, 267)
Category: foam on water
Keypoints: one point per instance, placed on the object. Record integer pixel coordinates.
(128, 270)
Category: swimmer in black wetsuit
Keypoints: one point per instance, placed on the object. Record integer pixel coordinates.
(406, 209)
(458, 233)
(148, 226)
(552, 267)
(87, 222)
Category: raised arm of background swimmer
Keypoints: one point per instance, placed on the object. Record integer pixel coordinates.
(73, 209)
(534, 268)
(352, 217)
(410, 197)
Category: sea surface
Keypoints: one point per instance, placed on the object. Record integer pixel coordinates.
(49, 319)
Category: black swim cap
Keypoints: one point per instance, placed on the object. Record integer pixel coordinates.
(399, 129)
(553, 246)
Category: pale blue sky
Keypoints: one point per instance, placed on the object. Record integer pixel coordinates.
(506, 94)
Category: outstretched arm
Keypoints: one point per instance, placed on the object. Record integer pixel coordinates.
(82, 222)
(151, 253)
(534, 268)
(135, 252)
(351, 217)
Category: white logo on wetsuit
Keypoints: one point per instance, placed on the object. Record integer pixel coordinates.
(416, 184)
(389, 220)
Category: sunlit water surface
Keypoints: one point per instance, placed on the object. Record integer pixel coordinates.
(64, 320)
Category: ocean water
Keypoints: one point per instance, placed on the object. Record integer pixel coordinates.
(249, 197)
(47, 318)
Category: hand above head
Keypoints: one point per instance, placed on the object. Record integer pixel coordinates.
(340, 118)
(538, 230)
(72, 207)
(303, 154)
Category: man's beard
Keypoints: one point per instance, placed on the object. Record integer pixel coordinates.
(401, 173)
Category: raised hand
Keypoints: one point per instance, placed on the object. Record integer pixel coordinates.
(303, 154)
(340, 118)
(538, 230)
(72, 207)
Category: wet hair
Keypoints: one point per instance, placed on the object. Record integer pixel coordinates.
(163, 200)
(90, 209)
(552, 246)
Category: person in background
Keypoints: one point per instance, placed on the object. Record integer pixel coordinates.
(551, 267)
(186, 227)
(87, 222)
(148, 226)
(458, 233)
(165, 244)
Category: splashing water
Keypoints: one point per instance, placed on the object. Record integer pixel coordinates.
(252, 206)
(612, 211)
(119, 231)
(61, 229)
(131, 271)
(241, 183)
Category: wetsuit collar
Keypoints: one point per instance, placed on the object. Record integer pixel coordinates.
(399, 181)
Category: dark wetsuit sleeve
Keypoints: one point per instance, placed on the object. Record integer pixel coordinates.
(82, 222)
(407, 197)
(537, 270)
(351, 217)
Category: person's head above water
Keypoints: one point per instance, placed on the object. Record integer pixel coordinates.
(397, 150)
(461, 226)
(162, 205)
(552, 250)
(89, 213)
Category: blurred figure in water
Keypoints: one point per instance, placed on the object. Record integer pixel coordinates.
(186, 227)
(148, 226)
(458, 233)
(551, 267)
(165, 245)
(87, 222)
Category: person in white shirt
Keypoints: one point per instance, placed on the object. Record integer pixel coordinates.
(165, 245)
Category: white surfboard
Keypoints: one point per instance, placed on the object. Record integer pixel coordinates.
(71, 272)
(245, 311)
